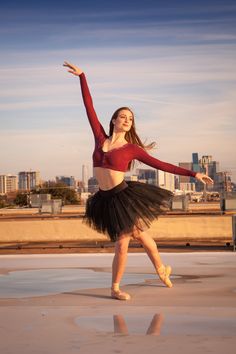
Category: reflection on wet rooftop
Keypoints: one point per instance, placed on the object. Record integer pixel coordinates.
(197, 316)
(42, 282)
(158, 324)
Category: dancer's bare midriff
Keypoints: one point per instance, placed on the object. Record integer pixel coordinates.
(107, 178)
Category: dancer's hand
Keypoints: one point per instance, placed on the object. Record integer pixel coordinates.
(73, 69)
(204, 178)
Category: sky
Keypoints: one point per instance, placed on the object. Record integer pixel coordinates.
(172, 62)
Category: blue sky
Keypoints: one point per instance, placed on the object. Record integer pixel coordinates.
(172, 62)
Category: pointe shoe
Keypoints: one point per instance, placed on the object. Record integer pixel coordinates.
(164, 273)
(119, 295)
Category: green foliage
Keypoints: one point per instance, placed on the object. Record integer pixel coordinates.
(21, 199)
(2, 203)
(58, 191)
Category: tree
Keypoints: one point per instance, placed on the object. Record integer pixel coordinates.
(2, 201)
(58, 191)
(21, 199)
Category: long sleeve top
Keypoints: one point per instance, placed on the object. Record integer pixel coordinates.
(118, 159)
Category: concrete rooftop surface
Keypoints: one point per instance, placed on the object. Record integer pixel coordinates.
(60, 303)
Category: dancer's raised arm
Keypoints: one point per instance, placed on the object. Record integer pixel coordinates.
(97, 128)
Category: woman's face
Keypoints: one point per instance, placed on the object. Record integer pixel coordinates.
(124, 121)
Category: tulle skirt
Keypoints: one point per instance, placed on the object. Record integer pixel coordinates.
(127, 207)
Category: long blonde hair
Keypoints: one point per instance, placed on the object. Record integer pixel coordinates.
(131, 136)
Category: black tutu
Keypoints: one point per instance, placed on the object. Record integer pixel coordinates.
(127, 207)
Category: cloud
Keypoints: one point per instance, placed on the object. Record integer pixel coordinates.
(158, 82)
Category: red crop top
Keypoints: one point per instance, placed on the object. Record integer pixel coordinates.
(118, 159)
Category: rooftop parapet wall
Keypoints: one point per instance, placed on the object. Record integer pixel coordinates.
(166, 228)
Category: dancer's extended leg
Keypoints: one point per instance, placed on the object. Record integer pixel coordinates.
(151, 248)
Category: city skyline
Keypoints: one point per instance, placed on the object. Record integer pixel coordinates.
(173, 64)
(29, 180)
(194, 164)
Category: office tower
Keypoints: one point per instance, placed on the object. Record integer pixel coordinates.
(28, 180)
(68, 181)
(148, 175)
(92, 185)
(166, 180)
(3, 184)
(187, 183)
(196, 167)
(206, 159)
(195, 158)
(223, 182)
(188, 166)
(85, 177)
(211, 168)
(12, 183)
(195, 162)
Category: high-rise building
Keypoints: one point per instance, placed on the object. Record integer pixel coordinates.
(188, 166)
(195, 158)
(28, 180)
(206, 165)
(8, 183)
(3, 184)
(147, 174)
(196, 167)
(166, 180)
(92, 185)
(211, 168)
(206, 159)
(223, 182)
(12, 183)
(85, 177)
(195, 162)
(187, 183)
(69, 181)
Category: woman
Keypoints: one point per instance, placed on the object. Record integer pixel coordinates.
(123, 210)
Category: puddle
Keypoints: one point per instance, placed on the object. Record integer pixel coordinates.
(42, 282)
(158, 324)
